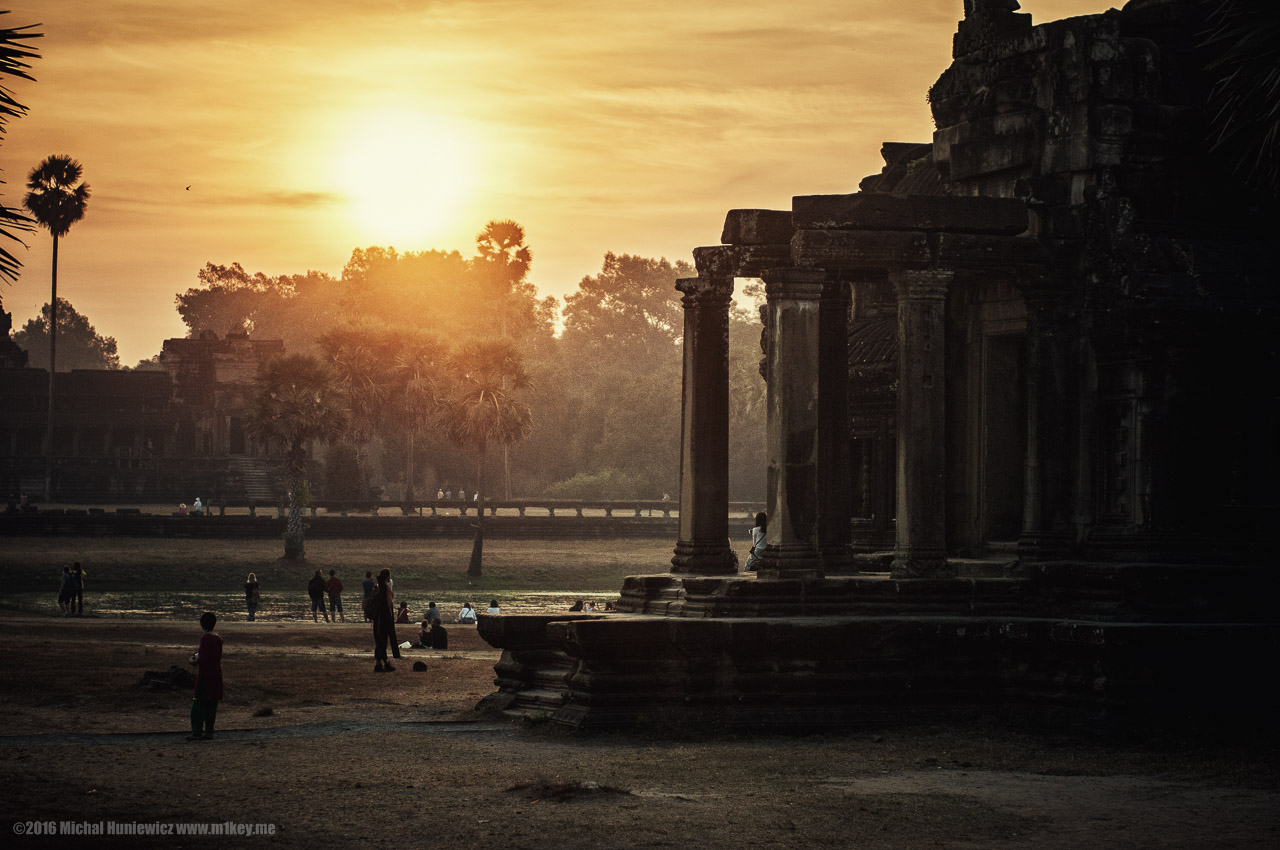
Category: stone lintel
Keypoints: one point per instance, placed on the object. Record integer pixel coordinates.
(870, 250)
(740, 260)
(871, 211)
(757, 227)
(970, 251)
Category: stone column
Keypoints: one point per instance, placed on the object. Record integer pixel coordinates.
(921, 519)
(792, 434)
(1046, 506)
(835, 502)
(703, 546)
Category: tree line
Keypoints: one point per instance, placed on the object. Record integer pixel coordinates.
(601, 371)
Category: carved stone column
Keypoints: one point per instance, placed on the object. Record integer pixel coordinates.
(835, 502)
(921, 533)
(703, 546)
(792, 433)
(1047, 498)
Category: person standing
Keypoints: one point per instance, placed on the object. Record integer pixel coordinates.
(757, 541)
(252, 595)
(367, 585)
(315, 589)
(66, 591)
(384, 629)
(208, 663)
(77, 589)
(333, 587)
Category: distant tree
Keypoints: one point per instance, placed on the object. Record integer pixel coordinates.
(296, 402)
(81, 345)
(14, 54)
(150, 364)
(480, 412)
(294, 308)
(630, 309)
(418, 388)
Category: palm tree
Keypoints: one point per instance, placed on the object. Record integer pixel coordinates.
(480, 411)
(358, 358)
(296, 402)
(419, 382)
(14, 56)
(57, 203)
(503, 265)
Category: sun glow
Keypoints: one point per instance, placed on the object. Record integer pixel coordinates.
(407, 175)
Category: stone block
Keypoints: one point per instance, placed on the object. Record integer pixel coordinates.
(860, 249)
(1007, 216)
(741, 260)
(757, 227)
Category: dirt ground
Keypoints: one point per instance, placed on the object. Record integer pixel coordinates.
(322, 752)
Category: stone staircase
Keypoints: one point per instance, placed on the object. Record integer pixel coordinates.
(257, 480)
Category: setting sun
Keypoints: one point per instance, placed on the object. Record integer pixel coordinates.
(406, 174)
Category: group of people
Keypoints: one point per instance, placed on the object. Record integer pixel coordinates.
(196, 509)
(71, 590)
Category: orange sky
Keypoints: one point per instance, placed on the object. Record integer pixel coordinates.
(306, 128)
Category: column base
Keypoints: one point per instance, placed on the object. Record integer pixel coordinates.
(1044, 545)
(705, 559)
(795, 560)
(837, 560)
(920, 563)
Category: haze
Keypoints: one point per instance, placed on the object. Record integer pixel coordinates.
(306, 129)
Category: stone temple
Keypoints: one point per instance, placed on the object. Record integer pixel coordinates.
(1023, 420)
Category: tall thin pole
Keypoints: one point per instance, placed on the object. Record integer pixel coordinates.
(53, 350)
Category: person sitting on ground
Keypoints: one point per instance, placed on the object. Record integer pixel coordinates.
(424, 636)
(493, 607)
(467, 616)
(577, 606)
(439, 637)
(433, 613)
(402, 616)
(590, 606)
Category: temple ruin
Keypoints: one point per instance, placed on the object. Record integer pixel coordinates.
(1022, 418)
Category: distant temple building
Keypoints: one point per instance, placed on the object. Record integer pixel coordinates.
(163, 436)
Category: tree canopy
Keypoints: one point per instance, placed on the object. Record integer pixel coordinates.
(80, 346)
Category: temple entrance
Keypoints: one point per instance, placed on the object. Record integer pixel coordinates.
(1004, 440)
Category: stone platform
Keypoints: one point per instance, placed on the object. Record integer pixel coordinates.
(743, 653)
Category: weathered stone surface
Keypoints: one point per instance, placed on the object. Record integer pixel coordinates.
(862, 211)
(971, 251)
(740, 260)
(757, 227)
(861, 249)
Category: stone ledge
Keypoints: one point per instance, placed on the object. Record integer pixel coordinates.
(863, 211)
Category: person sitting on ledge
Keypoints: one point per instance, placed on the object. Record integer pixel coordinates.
(577, 606)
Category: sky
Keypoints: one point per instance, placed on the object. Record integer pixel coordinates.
(282, 134)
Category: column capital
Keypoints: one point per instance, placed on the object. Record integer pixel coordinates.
(921, 284)
(794, 284)
(705, 291)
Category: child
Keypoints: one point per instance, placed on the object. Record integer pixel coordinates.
(208, 663)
